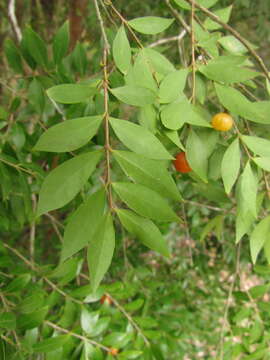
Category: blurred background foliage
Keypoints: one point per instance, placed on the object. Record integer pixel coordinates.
(182, 304)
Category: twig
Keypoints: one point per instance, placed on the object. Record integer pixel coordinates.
(193, 61)
(235, 33)
(102, 28)
(187, 233)
(13, 20)
(131, 321)
(169, 39)
(81, 337)
(178, 17)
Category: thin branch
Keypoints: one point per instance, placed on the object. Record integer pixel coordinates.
(13, 20)
(178, 17)
(236, 34)
(102, 28)
(78, 336)
(193, 60)
(169, 39)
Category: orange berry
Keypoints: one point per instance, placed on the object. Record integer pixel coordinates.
(106, 300)
(222, 122)
(113, 351)
(181, 164)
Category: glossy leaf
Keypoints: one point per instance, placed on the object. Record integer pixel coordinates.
(71, 93)
(100, 251)
(134, 95)
(33, 319)
(230, 165)
(172, 86)
(145, 230)
(60, 43)
(89, 320)
(121, 50)
(258, 237)
(64, 182)
(145, 201)
(150, 173)
(139, 139)
(83, 223)
(150, 24)
(69, 135)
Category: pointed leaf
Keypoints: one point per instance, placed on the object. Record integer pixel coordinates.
(64, 182)
(61, 42)
(150, 173)
(71, 93)
(158, 62)
(263, 162)
(172, 86)
(36, 46)
(100, 251)
(150, 24)
(134, 95)
(83, 223)
(197, 155)
(249, 189)
(223, 14)
(230, 165)
(145, 201)
(139, 139)
(121, 50)
(69, 135)
(258, 237)
(258, 145)
(145, 230)
(51, 344)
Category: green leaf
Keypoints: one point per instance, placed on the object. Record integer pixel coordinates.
(71, 93)
(174, 137)
(197, 155)
(83, 223)
(150, 24)
(249, 189)
(69, 135)
(151, 173)
(145, 201)
(7, 321)
(263, 162)
(130, 354)
(223, 14)
(13, 56)
(205, 3)
(118, 339)
(258, 237)
(139, 139)
(51, 344)
(172, 86)
(18, 284)
(158, 62)
(60, 43)
(226, 74)
(36, 47)
(214, 224)
(100, 251)
(238, 104)
(121, 50)
(230, 165)
(89, 320)
(64, 182)
(148, 118)
(258, 145)
(233, 45)
(174, 115)
(36, 95)
(134, 95)
(147, 232)
(32, 320)
(79, 59)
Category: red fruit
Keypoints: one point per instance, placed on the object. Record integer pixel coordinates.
(106, 300)
(113, 351)
(181, 164)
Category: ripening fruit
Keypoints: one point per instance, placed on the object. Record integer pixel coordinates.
(222, 122)
(106, 300)
(113, 351)
(181, 164)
